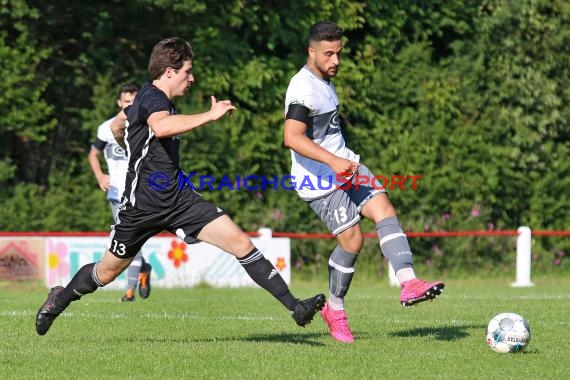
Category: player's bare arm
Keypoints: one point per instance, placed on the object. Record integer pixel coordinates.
(294, 137)
(165, 125)
(118, 126)
(93, 159)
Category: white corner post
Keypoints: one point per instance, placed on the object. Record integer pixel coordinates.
(393, 280)
(524, 257)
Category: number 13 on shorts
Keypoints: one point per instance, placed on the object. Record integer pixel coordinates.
(340, 215)
(117, 248)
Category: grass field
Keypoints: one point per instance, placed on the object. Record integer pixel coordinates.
(243, 333)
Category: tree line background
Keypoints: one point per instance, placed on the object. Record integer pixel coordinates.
(471, 95)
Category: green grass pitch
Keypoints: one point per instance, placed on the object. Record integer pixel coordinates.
(205, 333)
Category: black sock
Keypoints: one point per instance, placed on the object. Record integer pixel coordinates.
(84, 282)
(265, 275)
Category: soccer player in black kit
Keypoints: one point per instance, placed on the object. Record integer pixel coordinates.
(152, 142)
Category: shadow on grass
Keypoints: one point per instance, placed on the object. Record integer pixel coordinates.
(295, 338)
(445, 333)
(310, 339)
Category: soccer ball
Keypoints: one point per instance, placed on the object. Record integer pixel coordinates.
(508, 332)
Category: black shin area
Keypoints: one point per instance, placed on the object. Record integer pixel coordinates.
(265, 275)
(84, 282)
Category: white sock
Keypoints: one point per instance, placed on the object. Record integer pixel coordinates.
(336, 303)
(405, 274)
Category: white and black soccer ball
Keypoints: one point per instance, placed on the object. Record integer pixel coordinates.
(508, 332)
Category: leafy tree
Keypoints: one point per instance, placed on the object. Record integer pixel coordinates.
(471, 96)
(26, 117)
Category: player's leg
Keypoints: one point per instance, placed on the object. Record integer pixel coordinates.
(129, 234)
(341, 264)
(144, 278)
(393, 241)
(226, 235)
(133, 273)
(341, 270)
(135, 267)
(86, 280)
(341, 216)
(396, 248)
(195, 219)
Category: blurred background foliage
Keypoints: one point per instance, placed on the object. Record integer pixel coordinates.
(471, 95)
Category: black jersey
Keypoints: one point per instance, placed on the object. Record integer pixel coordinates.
(154, 163)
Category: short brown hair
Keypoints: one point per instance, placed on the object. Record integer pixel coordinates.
(325, 31)
(170, 52)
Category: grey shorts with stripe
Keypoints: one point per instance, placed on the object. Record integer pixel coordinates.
(340, 209)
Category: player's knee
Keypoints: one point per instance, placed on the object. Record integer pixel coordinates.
(106, 277)
(353, 247)
(351, 239)
(241, 245)
(385, 208)
(352, 243)
(107, 274)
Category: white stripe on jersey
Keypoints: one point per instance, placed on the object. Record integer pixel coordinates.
(138, 164)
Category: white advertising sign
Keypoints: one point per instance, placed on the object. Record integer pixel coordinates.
(174, 263)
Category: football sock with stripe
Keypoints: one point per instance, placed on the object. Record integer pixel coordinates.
(264, 274)
(395, 247)
(341, 271)
(84, 282)
(133, 271)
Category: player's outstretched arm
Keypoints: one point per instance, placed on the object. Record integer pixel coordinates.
(163, 124)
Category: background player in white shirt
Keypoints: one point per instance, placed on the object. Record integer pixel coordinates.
(313, 132)
(113, 183)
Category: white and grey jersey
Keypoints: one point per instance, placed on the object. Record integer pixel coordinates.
(323, 127)
(116, 158)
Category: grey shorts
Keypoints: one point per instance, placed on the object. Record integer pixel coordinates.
(340, 209)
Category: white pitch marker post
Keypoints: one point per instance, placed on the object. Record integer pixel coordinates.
(265, 233)
(523, 261)
(524, 258)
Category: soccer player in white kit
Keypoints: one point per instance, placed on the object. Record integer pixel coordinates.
(313, 132)
(138, 273)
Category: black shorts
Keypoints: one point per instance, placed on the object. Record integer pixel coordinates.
(185, 219)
